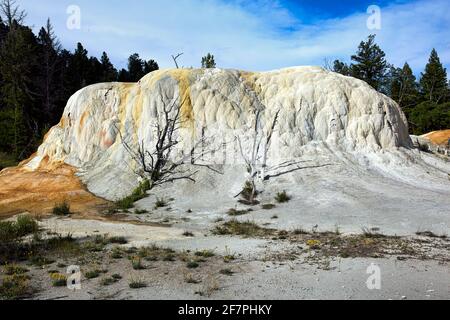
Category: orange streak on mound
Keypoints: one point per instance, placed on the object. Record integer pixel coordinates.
(37, 192)
(439, 137)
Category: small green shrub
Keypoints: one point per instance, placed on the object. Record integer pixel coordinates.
(15, 287)
(14, 231)
(136, 262)
(13, 269)
(161, 203)
(205, 253)
(58, 280)
(118, 240)
(235, 212)
(138, 194)
(139, 212)
(246, 229)
(107, 281)
(116, 277)
(93, 274)
(192, 265)
(188, 234)
(26, 225)
(62, 209)
(282, 197)
(137, 284)
(226, 272)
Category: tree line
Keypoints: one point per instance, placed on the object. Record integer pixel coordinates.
(426, 102)
(37, 77)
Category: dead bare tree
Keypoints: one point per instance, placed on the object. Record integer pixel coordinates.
(175, 58)
(255, 166)
(11, 12)
(256, 161)
(156, 164)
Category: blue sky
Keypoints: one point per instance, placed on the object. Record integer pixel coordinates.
(251, 35)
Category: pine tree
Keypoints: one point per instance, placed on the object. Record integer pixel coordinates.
(94, 72)
(341, 67)
(11, 13)
(434, 83)
(403, 87)
(18, 67)
(135, 68)
(150, 66)
(208, 61)
(78, 68)
(123, 76)
(370, 64)
(109, 73)
(49, 85)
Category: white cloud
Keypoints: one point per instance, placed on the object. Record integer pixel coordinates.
(245, 34)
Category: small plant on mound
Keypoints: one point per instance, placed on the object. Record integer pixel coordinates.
(161, 203)
(62, 209)
(249, 194)
(138, 194)
(15, 287)
(58, 279)
(192, 265)
(282, 197)
(226, 272)
(246, 229)
(13, 269)
(118, 240)
(205, 253)
(188, 234)
(137, 284)
(235, 212)
(136, 263)
(93, 274)
(12, 232)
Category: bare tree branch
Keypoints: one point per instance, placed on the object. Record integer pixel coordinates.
(175, 58)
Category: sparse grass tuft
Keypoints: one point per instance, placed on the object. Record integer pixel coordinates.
(118, 240)
(116, 277)
(429, 234)
(137, 284)
(189, 278)
(268, 206)
(93, 274)
(300, 231)
(62, 209)
(13, 269)
(192, 265)
(138, 194)
(235, 212)
(226, 272)
(246, 229)
(370, 234)
(117, 253)
(205, 253)
(139, 212)
(282, 197)
(161, 203)
(136, 262)
(15, 287)
(58, 279)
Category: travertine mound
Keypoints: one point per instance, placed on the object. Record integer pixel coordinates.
(317, 107)
(441, 138)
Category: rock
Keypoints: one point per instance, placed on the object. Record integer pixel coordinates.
(317, 108)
